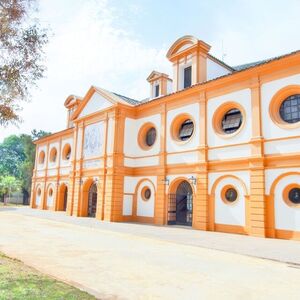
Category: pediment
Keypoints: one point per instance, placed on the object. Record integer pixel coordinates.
(185, 43)
(95, 100)
(181, 44)
(155, 75)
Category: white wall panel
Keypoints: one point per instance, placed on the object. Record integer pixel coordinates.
(243, 175)
(282, 147)
(132, 128)
(145, 208)
(230, 214)
(130, 182)
(183, 158)
(65, 162)
(175, 146)
(242, 97)
(268, 90)
(272, 174)
(141, 162)
(40, 149)
(286, 217)
(229, 152)
(127, 205)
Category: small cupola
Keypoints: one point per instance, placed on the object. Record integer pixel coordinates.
(189, 58)
(160, 84)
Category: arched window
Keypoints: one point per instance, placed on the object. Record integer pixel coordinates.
(41, 157)
(67, 152)
(290, 109)
(53, 155)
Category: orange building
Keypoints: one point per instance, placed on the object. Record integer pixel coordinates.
(216, 148)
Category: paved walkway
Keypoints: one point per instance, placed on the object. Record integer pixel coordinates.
(131, 261)
(274, 249)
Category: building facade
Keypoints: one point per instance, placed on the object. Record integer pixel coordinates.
(215, 147)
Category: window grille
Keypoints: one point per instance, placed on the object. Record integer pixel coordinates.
(186, 130)
(290, 109)
(232, 121)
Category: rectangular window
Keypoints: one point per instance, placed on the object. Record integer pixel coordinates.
(156, 93)
(187, 77)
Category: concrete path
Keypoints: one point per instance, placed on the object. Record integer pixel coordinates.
(129, 261)
(274, 249)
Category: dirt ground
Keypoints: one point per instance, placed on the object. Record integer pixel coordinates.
(120, 265)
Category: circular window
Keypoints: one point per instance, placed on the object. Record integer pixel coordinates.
(147, 136)
(284, 108)
(50, 192)
(228, 119)
(182, 128)
(67, 152)
(146, 193)
(39, 192)
(150, 136)
(42, 157)
(229, 194)
(294, 195)
(290, 109)
(232, 121)
(291, 195)
(53, 155)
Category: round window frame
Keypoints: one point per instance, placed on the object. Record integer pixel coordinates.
(176, 125)
(218, 117)
(66, 147)
(142, 136)
(52, 155)
(42, 153)
(285, 195)
(144, 189)
(275, 104)
(223, 194)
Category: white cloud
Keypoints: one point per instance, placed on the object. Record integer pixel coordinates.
(88, 48)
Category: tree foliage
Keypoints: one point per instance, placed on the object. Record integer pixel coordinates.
(21, 54)
(9, 184)
(17, 155)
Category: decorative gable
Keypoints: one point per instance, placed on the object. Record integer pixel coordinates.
(95, 103)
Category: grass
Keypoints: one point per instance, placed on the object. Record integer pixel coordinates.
(18, 281)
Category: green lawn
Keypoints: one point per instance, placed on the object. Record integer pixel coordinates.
(18, 281)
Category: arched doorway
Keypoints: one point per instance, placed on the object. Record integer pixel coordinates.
(65, 199)
(62, 197)
(181, 205)
(92, 200)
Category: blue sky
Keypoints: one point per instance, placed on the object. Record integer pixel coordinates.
(115, 44)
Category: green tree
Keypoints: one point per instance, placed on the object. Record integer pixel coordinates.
(22, 41)
(8, 185)
(11, 156)
(17, 155)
